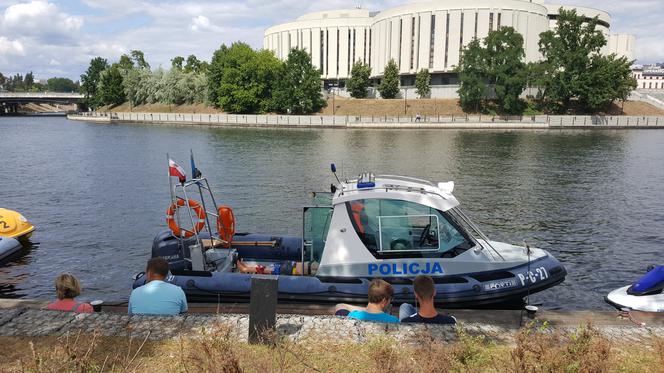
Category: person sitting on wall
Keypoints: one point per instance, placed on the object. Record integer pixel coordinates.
(425, 291)
(380, 296)
(281, 268)
(67, 288)
(157, 297)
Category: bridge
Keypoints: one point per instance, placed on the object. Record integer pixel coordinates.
(9, 101)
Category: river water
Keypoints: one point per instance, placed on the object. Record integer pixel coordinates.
(98, 193)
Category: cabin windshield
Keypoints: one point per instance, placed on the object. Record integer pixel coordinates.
(390, 227)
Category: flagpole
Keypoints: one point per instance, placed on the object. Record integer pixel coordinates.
(170, 182)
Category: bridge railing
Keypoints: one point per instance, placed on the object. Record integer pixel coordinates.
(40, 95)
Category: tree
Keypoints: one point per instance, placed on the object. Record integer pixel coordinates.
(423, 83)
(568, 52)
(177, 62)
(193, 64)
(110, 88)
(215, 73)
(28, 81)
(472, 81)
(61, 85)
(506, 71)
(90, 81)
(359, 80)
(136, 85)
(298, 88)
(247, 80)
(389, 85)
(3, 80)
(139, 59)
(609, 79)
(125, 62)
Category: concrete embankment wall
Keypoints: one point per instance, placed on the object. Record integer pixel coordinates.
(405, 122)
(24, 319)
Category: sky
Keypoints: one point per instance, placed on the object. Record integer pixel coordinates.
(59, 38)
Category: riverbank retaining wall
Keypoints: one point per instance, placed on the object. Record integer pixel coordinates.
(28, 322)
(399, 122)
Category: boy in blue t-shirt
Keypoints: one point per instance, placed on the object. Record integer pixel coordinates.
(380, 295)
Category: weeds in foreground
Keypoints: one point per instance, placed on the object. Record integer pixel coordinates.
(82, 353)
(583, 351)
(534, 350)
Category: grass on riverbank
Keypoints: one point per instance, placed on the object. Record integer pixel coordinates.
(584, 350)
(345, 106)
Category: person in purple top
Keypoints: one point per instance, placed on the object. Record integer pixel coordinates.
(425, 291)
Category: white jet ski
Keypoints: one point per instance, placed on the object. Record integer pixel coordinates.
(647, 294)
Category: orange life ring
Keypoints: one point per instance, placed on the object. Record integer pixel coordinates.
(226, 224)
(173, 225)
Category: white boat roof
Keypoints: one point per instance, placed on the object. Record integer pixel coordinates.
(438, 196)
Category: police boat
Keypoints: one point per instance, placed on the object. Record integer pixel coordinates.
(389, 227)
(646, 294)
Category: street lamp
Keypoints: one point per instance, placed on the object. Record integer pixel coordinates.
(405, 101)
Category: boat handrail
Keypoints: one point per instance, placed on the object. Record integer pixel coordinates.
(389, 187)
(407, 178)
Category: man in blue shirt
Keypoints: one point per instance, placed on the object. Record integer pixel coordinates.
(380, 296)
(157, 297)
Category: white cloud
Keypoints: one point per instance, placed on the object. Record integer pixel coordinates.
(39, 18)
(202, 23)
(11, 47)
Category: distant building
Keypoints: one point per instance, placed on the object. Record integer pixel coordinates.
(421, 35)
(649, 77)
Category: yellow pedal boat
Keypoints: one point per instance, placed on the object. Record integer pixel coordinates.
(14, 225)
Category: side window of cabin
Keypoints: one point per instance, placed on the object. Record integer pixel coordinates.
(388, 226)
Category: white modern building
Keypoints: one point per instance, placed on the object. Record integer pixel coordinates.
(650, 78)
(421, 35)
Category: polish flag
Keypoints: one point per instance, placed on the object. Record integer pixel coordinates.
(174, 169)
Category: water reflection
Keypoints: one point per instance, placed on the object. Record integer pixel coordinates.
(13, 270)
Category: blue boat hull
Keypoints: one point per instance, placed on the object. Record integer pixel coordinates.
(471, 290)
(8, 247)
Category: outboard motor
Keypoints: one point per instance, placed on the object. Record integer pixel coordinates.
(651, 283)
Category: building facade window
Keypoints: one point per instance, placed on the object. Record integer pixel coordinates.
(417, 41)
(400, 41)
(461, 33)
(364, 56)
(412, 42)
(322, 50)
(349, 51)
(369, 52)
(477, 16)
(327, 52)
(338, 34)
(447, 38)
(490, 22)
(432, 40)
(353, 59)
